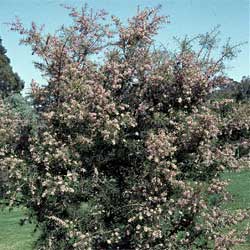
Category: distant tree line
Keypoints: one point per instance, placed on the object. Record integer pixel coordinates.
(239, 91)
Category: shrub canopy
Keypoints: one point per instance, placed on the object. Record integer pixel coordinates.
(127, 154)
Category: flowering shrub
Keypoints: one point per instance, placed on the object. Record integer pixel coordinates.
(127, 154)
(8, 136)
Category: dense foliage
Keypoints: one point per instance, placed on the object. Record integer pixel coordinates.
(17, 118)
(129, 149)
(10, 82)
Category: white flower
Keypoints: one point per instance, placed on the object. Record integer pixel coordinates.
(179, 99)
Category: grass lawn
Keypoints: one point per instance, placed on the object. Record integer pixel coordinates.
(239, 187)
(12, 235)
(16, 237)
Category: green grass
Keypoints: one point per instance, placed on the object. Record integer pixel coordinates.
(239, 188)
(16, 237)
(13, 236)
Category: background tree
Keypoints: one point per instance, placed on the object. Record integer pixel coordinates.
(10, 82)
(242, 90)
(239, 91)
(127, 154)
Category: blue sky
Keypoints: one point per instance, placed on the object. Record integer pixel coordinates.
(186, 16)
